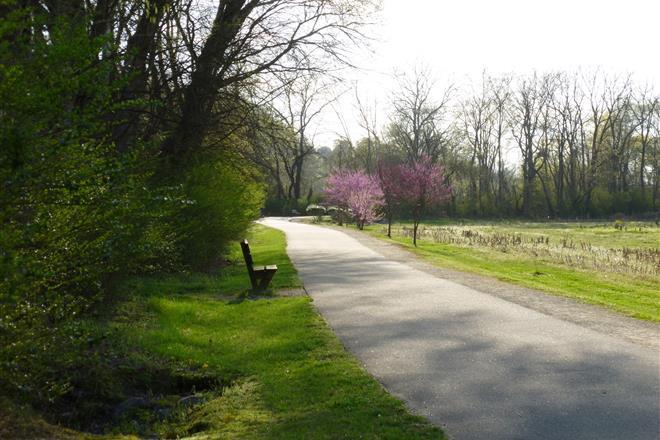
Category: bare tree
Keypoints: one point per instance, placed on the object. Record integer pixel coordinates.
(588, 143)
(528, 114)
(416, 125)
(655, 157)
(645, 111)
(369, 122)
(303, 100)
(482, 120)
(622, 126)
(565, 166)
(254, 37)
(501, 97)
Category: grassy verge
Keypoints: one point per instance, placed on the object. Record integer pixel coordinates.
(635, 296)
(271, 366)
(291, 378)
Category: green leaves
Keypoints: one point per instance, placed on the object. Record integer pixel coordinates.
(77, 215)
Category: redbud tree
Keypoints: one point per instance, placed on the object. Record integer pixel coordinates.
(421, 188)
(357, 192)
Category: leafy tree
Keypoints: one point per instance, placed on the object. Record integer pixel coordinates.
(74, 213)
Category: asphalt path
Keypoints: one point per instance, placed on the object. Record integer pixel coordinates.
(476, 364)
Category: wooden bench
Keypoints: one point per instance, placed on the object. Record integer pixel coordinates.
(260, 276)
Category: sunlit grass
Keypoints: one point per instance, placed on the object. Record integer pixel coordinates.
(291, 378)
(596, 279)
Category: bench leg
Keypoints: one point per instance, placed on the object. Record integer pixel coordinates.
(265, 279)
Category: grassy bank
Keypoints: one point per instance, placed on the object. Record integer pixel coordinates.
(592, 262)
(271, 367)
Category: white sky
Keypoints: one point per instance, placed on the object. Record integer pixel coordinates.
(458, 39)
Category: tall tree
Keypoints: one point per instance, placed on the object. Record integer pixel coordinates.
(256, 37)
(645, 115)
(416, 126)
(527, 112)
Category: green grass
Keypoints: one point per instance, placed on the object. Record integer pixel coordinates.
(636, 296)
(279, 371)
(290, 376)
(267, 247)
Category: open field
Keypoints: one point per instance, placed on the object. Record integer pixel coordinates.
(278, 371)
(600, 233)
(593, 262)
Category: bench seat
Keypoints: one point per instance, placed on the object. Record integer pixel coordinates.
(262, 268)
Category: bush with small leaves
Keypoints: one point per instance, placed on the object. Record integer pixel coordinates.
(317, 211)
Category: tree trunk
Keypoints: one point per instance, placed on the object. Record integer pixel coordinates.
(548, 198)
(529, 176)
(415, 226)
(389, 225)
(202, 91)
(642, 164)
(139, 46)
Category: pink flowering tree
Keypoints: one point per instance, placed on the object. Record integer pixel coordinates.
(357, 192)
(422, 187)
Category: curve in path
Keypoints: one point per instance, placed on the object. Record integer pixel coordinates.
(475, 364)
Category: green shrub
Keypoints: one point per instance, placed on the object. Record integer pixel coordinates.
(276, 206)
(339, 215)
(220, 205)
(317, 211)
(74, 213)
(77, 214)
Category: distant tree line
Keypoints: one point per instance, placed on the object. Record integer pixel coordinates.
(560, 145)
(588, 147)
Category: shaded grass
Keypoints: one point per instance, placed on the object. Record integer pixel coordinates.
(290, 376)
(20, 422)
(268, 246)
(638, 297)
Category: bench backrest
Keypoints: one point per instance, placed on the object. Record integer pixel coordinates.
(247, 256)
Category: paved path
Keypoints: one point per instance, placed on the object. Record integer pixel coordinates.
(479, 366)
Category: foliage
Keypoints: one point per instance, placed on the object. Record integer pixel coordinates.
(221, 204)
(357, 192)
(317, 211)
(339, 215)
(73, 213)
(123, 153)
(77, 213)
